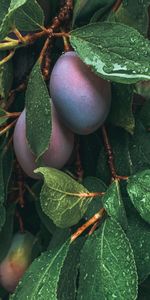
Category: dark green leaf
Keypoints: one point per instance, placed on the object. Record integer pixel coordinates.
(41, 280)
(107, 266)
(67, 285)
(135, 14)
(139, 148)
(114, 51)
(112, 202)
(121, 107)
(38, 112)
(139, 235)
(139, 191)
(94, 184)
(62, 198)
(84, 9)
(145, 114)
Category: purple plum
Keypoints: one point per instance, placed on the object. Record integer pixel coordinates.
(58, 153)
(80, 96)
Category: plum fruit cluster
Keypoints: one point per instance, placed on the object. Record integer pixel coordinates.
(17, 260)
(80, 104)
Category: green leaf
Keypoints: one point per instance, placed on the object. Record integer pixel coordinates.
(145, 114)
(38, 112)
(84, 9)
(94, 184)
(138, 188)
(135, 14)
(121, 107)
(41, 280)
(6, 76)
(139, 235)
(31, 15)
(67, 284)
(62, 198)
(114, 51)
(107, 266)
(139, 148)
(112, 202)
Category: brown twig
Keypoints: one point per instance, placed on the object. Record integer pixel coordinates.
(97, 217)
(109, 152)
(21, 225)
(116, 5)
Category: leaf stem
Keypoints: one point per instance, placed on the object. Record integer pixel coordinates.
(7, 58)
(116, 5)
(97, 217)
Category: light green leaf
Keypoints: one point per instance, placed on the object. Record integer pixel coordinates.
(121, 107)
(112, 202)
(107, 266)
(40, 282)
(38, 114)
(62, 198)
(139, 191)
(114, 51)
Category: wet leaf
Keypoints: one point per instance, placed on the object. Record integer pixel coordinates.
(42, 276)
(139, 191)
(114, 51)
(113, 203)
(38, 112)
(138, 233)
(107, 266)
(62, 198)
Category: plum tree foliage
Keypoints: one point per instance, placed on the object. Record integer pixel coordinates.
(74, 150)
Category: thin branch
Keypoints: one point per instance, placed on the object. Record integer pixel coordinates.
(97, 217)
(7, 58)
(8, 127)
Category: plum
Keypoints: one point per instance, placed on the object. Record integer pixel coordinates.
(58, 153)
(80, 96)
(16, 261)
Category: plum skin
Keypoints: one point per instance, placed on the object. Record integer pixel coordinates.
(80, 96)
(58, 153)
(16, 261)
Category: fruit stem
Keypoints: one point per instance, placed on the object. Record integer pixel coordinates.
(97, 217)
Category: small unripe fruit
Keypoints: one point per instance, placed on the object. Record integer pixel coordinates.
(17, 260)
(80, 96)
(58, 153)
